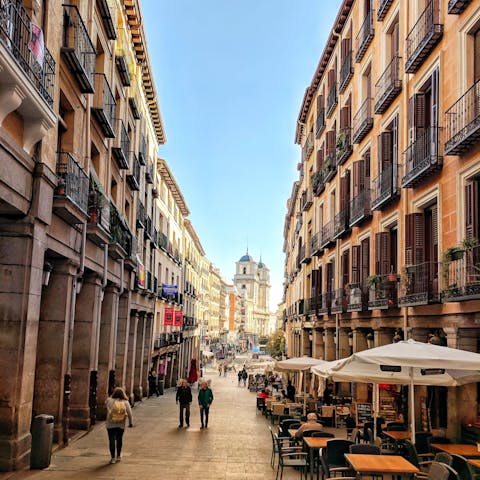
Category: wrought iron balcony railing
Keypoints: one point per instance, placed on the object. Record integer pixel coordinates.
(143, 152)
(16, 36)
(456, 7)
(423, 37)
(121, 148)
(332, 99)
(344, 147)
(317, 182)
(346, 71)
(307, 147)
(341, 223)
(304, 254)
(389, 85)
(154, 241)
(462, 122)
(313, 304)
(73, 181)
(325, 303)
(98, 207)
(419, 285)
(461, 277)
(360, 207)
(149, 177)
(383, 294)
(357, 297)
(327, 234)
(422, 157)
(77, 49)
(385, 187)
(339, 301)
(108, 13)
(365, 36)
(163, 242)
(320, 122)
(306, 200)
(148, 227)
(141, 215)
(362, 121)
(315, 246)
(329, 167)
(133, 177)
(104, 104)
(382, 8)
(119, 233)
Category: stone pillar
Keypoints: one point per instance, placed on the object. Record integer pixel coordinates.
(360, 344)
(105, 349)
(344, 346)
(305, 343)
(139, 351)
(131, 355)
(147, 351)
(52, 345)
(83, 354)
(317, 344)
(384, 336)
(122, 336)
(328, 340)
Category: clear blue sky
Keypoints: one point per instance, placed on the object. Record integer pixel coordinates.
(230, 78)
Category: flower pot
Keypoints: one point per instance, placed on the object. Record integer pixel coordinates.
(457, 254)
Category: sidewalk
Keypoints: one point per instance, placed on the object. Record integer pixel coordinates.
(236, 445)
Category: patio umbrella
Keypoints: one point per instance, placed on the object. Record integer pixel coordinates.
(406, 362)
(299, 364)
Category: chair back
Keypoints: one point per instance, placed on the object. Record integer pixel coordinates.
(438, 439)
(260, 403)
(462, 467)
(281, 418)
(278, 409)
(369, 436)
(438, 471)
(335, 452)
(443, 457)
(308, 433)
(322, 434)
(355, 435)
(408, 451)
(395, 427)
(287, 424)
(365, 449)
(421, 442)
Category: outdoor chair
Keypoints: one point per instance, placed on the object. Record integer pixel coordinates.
(409, 452)
(309, 433)
(396, 427)
(443, 457)
(275, 440)
(365, 449)
(323, 434)
(277, 410)
(332, 458)
(261, 406)
(439, 471)
(462, 467)
(290, 457)
(423, 446)
(286, 425)
(354, 435)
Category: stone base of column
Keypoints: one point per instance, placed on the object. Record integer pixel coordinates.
(80, 418)
(15, 453)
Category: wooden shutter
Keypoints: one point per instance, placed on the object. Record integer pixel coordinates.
(346, 48)
(382, 253)
(316, 282)
(385, 149)
(472, 210)
(356, 168)
(331, 79)
(345, 190)
(344, 117)
(330, 276)
(365, 259)
(330, 141)
(356, 264)
(414, 238)
(434, 247)
(320, 103)
(320, 156)
(345, 269)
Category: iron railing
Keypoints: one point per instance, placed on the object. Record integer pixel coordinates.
(108, 12)
(140, 215)
(389, 85)
(456, 7)
(315, 244)
(325, 303)
(121, 149)
(344, 146)
(360, 207)
(362, 121)
(341, 223)
(320, 122)
(133, 178)
(382, 8)
(383, 294)
(332, 99)
(149, 172)
(104, 105)
(346, 71)
(74, 179)
(16, 34)
(143, 152)
(98, 206)
(306, 199)
(327, 234)
(119, 233)
(365, 35)
(419, 285)
(339, 301)
(357, 297)
(462, 121)
(148, 227)
(307, 147)
(385, 186)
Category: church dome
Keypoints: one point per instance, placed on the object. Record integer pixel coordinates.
(246, 258)
(261, 264)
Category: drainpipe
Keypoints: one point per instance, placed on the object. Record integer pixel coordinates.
(113, 333)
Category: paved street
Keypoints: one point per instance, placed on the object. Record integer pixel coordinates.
(237, 444)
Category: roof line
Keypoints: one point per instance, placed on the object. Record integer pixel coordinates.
(193, 234)
(172, 184)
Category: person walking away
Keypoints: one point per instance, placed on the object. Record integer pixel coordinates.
(244, 377)
(118, 409)
(220, 367)
(239, 375)
(152, 383)
(290, 391)
(184, 398)
(205, 399)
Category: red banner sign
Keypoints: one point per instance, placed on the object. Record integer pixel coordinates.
(178, 319)
(168, 316)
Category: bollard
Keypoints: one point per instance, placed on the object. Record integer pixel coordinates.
(42, 439)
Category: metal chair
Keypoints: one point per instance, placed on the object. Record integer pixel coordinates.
(462, 467)
(290, 457)
(439, 471)
(332, 457)
(422, 445)
(286, 425)
(365, 449)
(395, 427)
(323, 434)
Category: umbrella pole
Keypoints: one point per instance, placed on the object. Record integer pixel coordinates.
(375, 400)
(412, 406)
(304, 394)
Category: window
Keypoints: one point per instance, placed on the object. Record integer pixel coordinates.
(244, 271)
(472, 210)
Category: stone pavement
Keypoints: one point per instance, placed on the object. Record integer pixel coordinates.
(236, 445)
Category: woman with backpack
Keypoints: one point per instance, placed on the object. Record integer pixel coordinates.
(118, 409)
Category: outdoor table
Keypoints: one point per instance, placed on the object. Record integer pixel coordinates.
(315, 443)
(463, 449)
(474, 461)
(380, 465)
(396, 436)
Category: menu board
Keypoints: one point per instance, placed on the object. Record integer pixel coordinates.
(364, 413)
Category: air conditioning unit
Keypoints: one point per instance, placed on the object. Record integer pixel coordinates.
(157, 343)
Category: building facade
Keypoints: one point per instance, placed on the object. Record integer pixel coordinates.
(388, 191)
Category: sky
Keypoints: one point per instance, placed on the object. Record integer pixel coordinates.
(230, 78)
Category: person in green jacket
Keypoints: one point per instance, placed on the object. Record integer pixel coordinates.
(205, 399)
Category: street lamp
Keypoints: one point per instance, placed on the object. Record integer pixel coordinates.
(370, 338)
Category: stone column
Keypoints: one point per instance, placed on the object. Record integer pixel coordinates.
(360, 344)
(344, 347)
(52, 345)
(317, 343)
(84, 347)
(384, 336)
(139, 353)
(107, 336)
(131, 355)
(147, 351)
(122, 336)
(328, 340)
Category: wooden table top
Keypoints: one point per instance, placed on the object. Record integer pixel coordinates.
(316, 442)
(292, 431)
(475, 462)
(380, 463)
(397, 435)
(463, 449)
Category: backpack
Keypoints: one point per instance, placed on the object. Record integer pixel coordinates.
(118, 413)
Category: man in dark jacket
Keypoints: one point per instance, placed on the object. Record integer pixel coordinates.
(184, 398)
(205, 399)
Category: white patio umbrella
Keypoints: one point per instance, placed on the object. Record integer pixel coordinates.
(406, 362)
(299, 364)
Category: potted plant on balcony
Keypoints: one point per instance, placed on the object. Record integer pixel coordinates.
(373, 280)
(95, 202)
(468, 243)
(341, 143)
(327, 164)
(316, 179)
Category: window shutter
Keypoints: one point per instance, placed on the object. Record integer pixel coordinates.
(320, 154)
(419, 119)
(346, 47)
(331, 78)
(316, 283)
(330, 278)
(385, 149)
(320, 103)
(344, 114)
(365, 259)
(356, 179)
(356, 264)
(435, 233)
(411, 120)
(345, 269)
(414, 238)
(409, 234)
(382, 253)
(366, 166)
(472, 210)
(345, 190)
(330, 142)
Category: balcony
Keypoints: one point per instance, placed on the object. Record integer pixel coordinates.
(332, 100)
(419, 285)
(462, 122)
(313, 304)
(385, 187)
(365, 36)
(98, 226)
(325, 302)
(339, 301)
(121, 148)
(143, 152)
(344, 147)
(163, 242)
(120, 236)
(422, 158)
(346, 72)
(456, 7)
(327, 235)
(315, 243)
(306, 200)
(131, 259)
(141, 220)
(363, 121)
(329, 167)
(149, 177)
(154, 240)
(382, 8)
(77, 50)
(383, 293)
(360, 207)
(70, 200)
(104, 104)
(107, 9)
(317, 182)
(27, 80)
(423, 37)
(304, 254)
(133, 177)
(388, 86)
(461, 277)
(357, 297)
(320, 122)
(307, 147)
(122, 65)
(147, 232)
(341, 223)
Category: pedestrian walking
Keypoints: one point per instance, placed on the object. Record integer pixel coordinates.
(152, 383)
(244, 377)
(220, 369)
(205, 399)
(184, 398)
(239, 375)
(118, 409)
